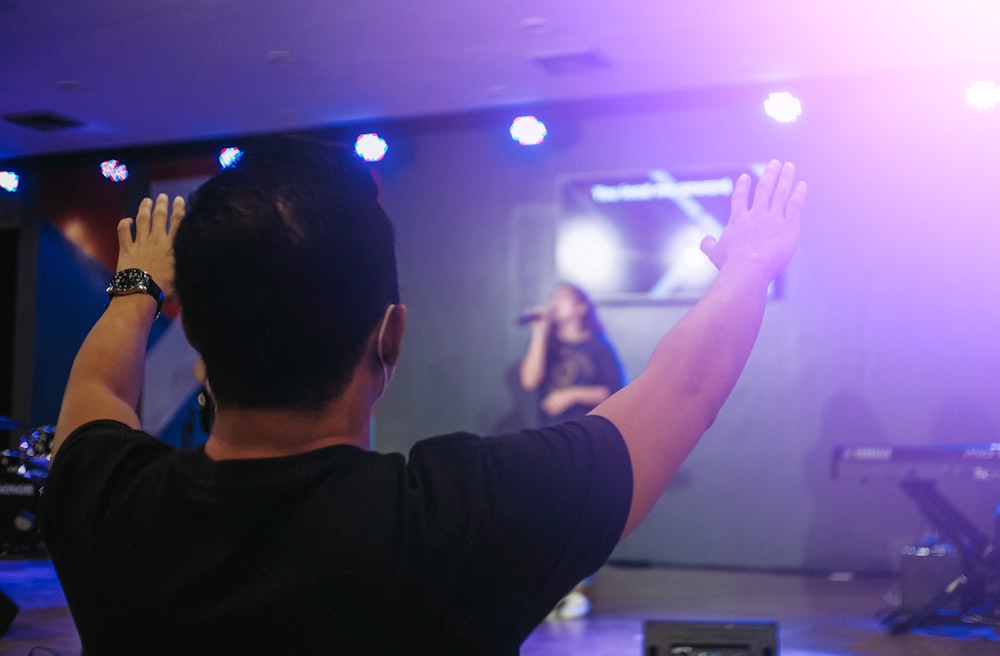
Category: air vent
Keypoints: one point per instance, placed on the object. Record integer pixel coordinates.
(42, 120)
(563, 62)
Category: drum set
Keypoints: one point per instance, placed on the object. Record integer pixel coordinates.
(23, 472)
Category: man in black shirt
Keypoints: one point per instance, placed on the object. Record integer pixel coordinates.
(284, 533)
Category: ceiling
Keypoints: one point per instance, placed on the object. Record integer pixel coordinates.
(157, 71)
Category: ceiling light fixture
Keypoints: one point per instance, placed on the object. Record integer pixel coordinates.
(783, 107)
(229, 156)
(528, 131)
(983, 95)
(9, 181)
(114, 170)
(371, 147)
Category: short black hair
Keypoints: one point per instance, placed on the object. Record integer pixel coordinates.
(285, 264)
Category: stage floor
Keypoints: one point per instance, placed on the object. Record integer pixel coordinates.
(816, 615)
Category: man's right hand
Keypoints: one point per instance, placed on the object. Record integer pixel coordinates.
(765, 232)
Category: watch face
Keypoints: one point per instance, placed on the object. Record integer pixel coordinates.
(135, 281)
(129, 279)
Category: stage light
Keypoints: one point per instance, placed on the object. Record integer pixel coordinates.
(371, 147)
(229, 156)
(588, 253)
(114, 170)
(528, 131)
(682, 249)
(783, 107)
(685, 266)
(983, 95)
(9, 181)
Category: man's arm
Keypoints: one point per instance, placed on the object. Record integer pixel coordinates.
(664, 412)
(106, 377)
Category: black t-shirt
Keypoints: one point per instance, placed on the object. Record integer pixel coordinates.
(464, 547)
(591, 362)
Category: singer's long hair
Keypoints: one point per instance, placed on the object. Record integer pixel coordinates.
(591, 322)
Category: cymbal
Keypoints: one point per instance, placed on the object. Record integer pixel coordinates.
(6, 423)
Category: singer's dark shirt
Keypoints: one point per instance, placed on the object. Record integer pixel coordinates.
(593, 362)
(463, 547)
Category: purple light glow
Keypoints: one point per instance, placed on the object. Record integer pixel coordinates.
(589, 253)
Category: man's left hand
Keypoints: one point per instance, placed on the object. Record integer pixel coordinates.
(152, 248)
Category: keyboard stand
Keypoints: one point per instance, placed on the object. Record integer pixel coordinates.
(980, 560)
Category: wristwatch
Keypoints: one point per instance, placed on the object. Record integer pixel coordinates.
(135, 281)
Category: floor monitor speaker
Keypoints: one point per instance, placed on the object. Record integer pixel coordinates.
(670, 638)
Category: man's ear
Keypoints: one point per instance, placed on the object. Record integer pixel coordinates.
(392, 337)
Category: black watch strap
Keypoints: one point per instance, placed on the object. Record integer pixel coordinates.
(135, 281)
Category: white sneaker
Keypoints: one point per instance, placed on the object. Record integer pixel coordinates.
(573, 606)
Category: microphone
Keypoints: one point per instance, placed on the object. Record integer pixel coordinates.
(530, 316)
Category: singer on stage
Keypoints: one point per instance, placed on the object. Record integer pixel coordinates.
(570, 361)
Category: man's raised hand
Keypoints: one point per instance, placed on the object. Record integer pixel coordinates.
(762, 233)
(152, 248)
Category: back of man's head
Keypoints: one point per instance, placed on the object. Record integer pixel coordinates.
(285, 263)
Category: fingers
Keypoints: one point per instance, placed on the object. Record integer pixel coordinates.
(784, 187)
(176, 214)
(774, 189)
(153, 219)
(765, 186)
(124, 233)
(159, 222)
(143, 219)
(740, 200)
(710, 247)
(794, 208)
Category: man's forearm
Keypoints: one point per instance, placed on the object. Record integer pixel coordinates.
(664, 412)
(106, 378)
(704, 354)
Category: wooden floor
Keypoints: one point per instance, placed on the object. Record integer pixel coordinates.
(816, 615)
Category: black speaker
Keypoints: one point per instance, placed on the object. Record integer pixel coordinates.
(662, 638)
(8, 611)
